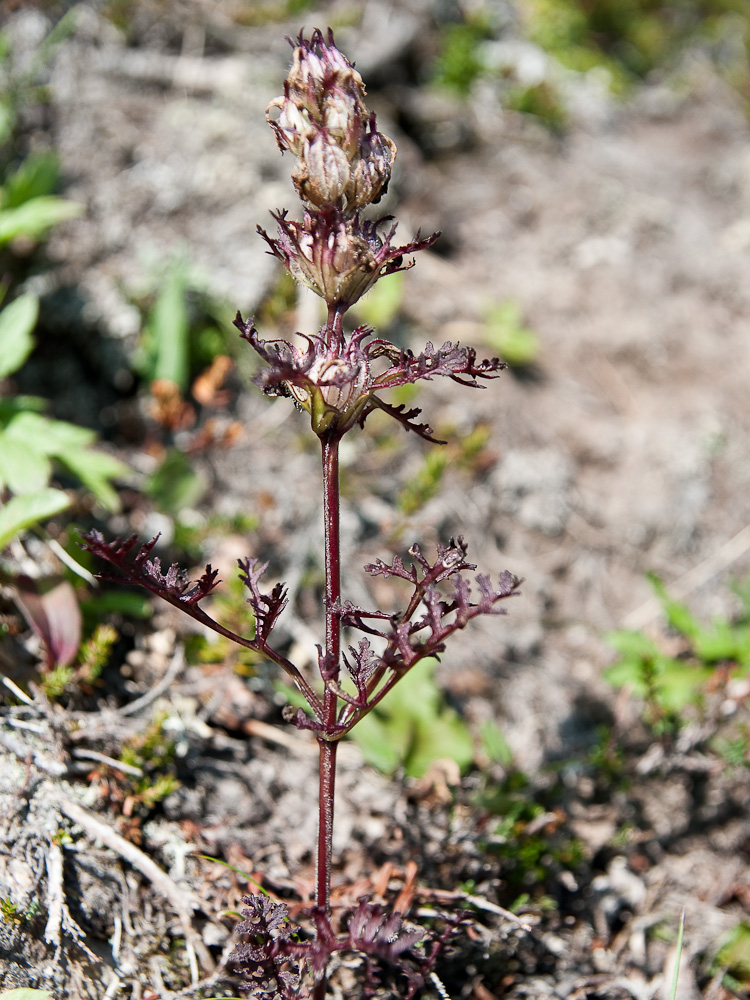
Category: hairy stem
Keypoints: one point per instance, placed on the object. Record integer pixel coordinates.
(330, 667)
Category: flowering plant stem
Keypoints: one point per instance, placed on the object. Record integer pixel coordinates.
(343, 166)
(332, 658)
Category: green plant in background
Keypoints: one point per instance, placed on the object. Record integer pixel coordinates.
(425, 484)
(732, 962)
(153, 752)
(382, 304)
(466, 454)
(626, 41)
(669, 682)
(31, 444)
(190, 537)
(92, 657)
(28, 208)
(38, 454)
(413, 728)
(11, 912)
(29, 205)
(231, 604)
(529, 837)
(733, 751)
(183, 330)
(632, 39)
(459, 63)
(176, 484)
(505, 333)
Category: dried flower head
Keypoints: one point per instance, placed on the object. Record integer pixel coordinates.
(342, 159)
(334, 381)
(339, 257)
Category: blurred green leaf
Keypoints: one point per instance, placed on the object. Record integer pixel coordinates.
(175, 484)
(22, 469)
(29, 440)
(459, 62)
(169, 329)
(413, 727)
(679, 617)
(46, 436)
(128, 603)
(22, 512)
(95, 469)
(35, 217)
(382, 303)
(7, 121)
(680, 684)
(734, 956)
(722, 641)
(424, 485)
(379, 743)
(17, 322)
(37, 176)
(494, 743)
(505, 333)
(633, 645)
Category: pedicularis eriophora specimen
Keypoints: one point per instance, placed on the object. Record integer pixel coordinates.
(343, 165)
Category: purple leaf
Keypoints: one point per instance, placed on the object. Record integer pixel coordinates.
(174, 585)
(266, 607)
(54, 616)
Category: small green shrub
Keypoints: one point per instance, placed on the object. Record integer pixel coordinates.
(668, 681)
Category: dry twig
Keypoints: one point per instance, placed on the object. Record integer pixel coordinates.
(182, 901)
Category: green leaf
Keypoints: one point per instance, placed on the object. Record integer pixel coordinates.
(633, 645)
(48, 437)
(30, 440)
(679, 684)
(7, 120)
(10, 408)
(627, 673)
(128, 603)
(723, 642)
(494, 743)
(679, 616)
(413, 727)
(34, 217)
(95, 469)
(506, 334)
(175, 484)
(169, 330)
(21, 512)
(735, 954)
(445, 736)
(382, 303)
(17, 322)
(38, 175)
(22, 469)
(375, 740)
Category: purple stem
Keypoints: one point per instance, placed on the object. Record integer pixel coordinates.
(330, 667)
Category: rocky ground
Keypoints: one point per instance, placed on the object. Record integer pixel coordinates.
(623, 449)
